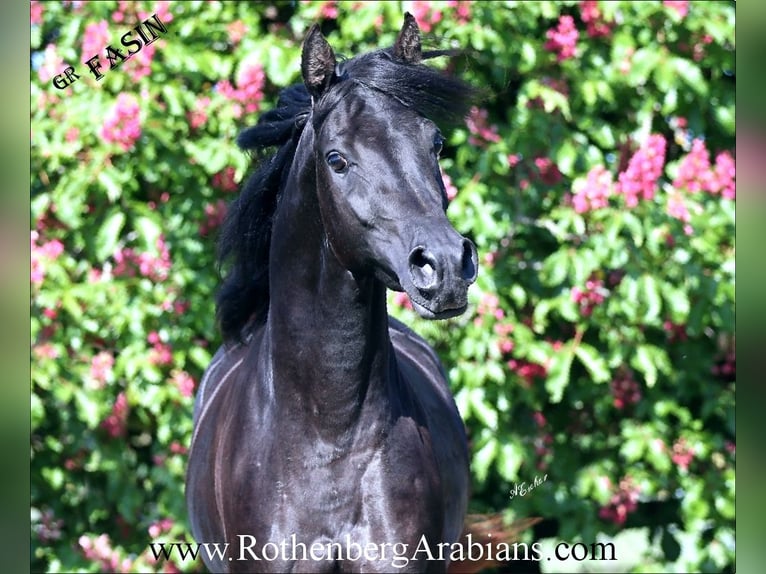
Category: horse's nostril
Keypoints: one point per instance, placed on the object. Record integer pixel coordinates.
(423, 269)
(470, 257)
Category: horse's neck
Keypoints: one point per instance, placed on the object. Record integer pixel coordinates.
(328, 331)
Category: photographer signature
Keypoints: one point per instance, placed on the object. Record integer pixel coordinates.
(523, 488)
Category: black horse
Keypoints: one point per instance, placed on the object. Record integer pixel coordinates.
(325, 436)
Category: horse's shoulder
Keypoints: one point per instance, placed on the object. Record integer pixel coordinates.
(223, 366)
(408, 344)
(419, 363)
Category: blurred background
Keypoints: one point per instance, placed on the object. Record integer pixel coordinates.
(596, 176)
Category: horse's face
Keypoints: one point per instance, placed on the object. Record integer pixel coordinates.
(383, 201)
(380, 191)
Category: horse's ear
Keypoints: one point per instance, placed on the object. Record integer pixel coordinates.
(407, 46)
(317, 63)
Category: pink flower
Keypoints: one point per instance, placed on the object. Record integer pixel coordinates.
(52, 249)
(505, 346)
(250, 80)
(156, 268)
(140, 65)
(477, 125)
(215, 213)
(100, 550)
(95, 39)
(680, 6)
(48, 528)
(160, 353)
(123, 6)
(101, 368)
(122, 125)
(563, 39)
(162, 9)
(626, 390)
(46, 351)
(329, 10)
(400, 299)
(462, 10)
(591, 15)
(448, 185)
(639, 180)
(35, 13)
(676, 332)
(527, 371)
(225, 180)
(549, 171)
(489, 304)
(622, 503)
(426, 15)
(159, 527)
(677, 208)
(237, 31)
(180, 307)
(724, 175)
(694, 173)
(594, 193)
(52, 64)
(590, 297)
(116, 423)
(184, 382)
(41, 255)
(682, 454)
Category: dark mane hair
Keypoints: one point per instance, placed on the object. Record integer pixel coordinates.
(245, 240)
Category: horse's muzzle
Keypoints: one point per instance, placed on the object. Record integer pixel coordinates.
(439, 274)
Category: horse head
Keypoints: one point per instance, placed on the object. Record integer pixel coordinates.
(376, 154)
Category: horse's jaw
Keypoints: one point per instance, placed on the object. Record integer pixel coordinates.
(427, 313)
(447, 303)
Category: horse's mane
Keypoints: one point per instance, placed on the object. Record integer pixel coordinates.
(245, 239)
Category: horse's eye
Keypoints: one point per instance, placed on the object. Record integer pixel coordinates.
(438, 144)
(337, 162)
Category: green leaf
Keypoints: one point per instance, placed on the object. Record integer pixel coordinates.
(200, 356)
(109, 234)
(555, 268)
(528, 57)
(594, 362)
(566, 158)
(650, 294)
(633, 448)
(149, 231)
(559, 367)
(172, 97)
(485, 413)
(677, 301)
(643, 361)
(642, 64)
(87, 408)
(633, 224)
(691, 74)
(483, 459)
(509, 460)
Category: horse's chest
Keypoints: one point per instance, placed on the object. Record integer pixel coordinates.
(364, 487)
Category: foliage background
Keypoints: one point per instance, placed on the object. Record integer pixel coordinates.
(599, 346)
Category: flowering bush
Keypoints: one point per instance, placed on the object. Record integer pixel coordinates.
(597, 178)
